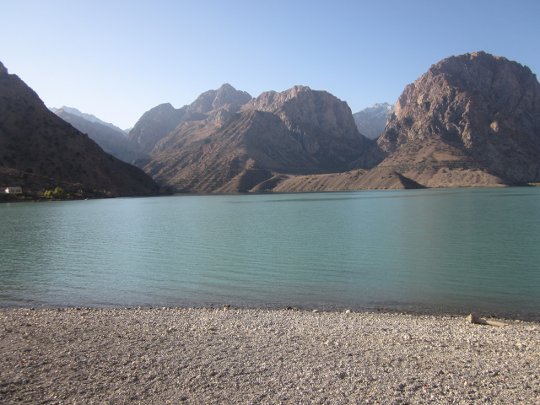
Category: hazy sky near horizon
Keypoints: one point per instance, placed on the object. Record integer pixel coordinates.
(117, 59)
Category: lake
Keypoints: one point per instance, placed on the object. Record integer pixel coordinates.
(449, 250)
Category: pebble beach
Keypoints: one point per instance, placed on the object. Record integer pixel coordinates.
(252, 356)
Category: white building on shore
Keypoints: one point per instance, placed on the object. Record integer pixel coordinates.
(11, 190)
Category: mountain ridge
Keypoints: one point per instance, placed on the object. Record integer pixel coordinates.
(296, 131)
(469, 120)
(159, 121)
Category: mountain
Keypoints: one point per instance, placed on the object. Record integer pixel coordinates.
(39, 150)
(296, 131)
(87, 117)
(156, 123)
(226, 97)
(372, 120)
(470, 120)
(111, 139)
(321, 124)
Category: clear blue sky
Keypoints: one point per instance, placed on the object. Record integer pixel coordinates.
(116, 59)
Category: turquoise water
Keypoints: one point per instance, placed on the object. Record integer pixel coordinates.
(439, 250)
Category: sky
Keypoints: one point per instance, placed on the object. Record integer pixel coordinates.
(117, 59)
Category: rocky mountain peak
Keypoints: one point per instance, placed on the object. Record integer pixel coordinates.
(154, 125)
(485, 107)
(225, 96)
(273, 101)
(461, 97)
(296, 131)
(304, 110)
(162, 108)
(297, 89)
(3, 70)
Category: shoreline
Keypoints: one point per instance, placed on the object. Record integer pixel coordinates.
(389, 310)
(5, 198)
(209, 355)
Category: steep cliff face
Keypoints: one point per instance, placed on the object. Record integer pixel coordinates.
(296, 131)
(39, 150)
(474, 116)
(320, 122)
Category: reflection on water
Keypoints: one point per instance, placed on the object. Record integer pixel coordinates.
(449, 250)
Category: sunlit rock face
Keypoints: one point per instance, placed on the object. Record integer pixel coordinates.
(235, 148)
(476, 116)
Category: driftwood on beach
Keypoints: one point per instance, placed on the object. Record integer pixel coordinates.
(473, 318)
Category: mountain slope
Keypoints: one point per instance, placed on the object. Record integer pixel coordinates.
(87, 117)
(371, 121)
(377, 178)
(39, 150)
(111, 139)
(471, 120)
(156, 123)
(296, 131)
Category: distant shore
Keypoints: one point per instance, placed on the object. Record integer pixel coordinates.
(173, 355)
(7, 198)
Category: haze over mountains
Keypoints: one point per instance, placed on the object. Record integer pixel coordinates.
(87, 117)
(111, 138)
(371, 121)
(470, 120)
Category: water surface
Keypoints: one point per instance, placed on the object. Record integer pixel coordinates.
(439, 250)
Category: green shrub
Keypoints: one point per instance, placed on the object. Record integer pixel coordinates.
(58, 192)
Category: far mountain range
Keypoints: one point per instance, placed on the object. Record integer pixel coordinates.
(470, 120)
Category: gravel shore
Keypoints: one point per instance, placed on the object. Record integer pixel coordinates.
(262, 356)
